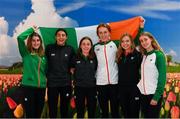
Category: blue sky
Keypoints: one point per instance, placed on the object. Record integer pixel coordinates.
(162, 16)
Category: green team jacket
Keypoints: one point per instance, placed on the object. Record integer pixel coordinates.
(33, 65)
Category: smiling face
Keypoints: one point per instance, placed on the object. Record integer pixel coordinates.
(146, 42)
(103, 34)
(126, 43)
(36, 42)
(85, 46)
(61, 37)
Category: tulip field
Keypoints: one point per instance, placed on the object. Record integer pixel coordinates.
(11, 97)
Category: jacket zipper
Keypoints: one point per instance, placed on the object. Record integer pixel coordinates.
(143, 77)
(39, 66)
(107, 68)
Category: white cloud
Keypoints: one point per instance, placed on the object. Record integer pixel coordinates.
(44, 14)
(72, 6)
(172, 53)
(3, 26)
(8, 46)
(149, 8)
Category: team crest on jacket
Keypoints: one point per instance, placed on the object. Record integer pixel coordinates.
(97, 49)
(53, 54)
(91, 61)
(78, 62)
(65, 55)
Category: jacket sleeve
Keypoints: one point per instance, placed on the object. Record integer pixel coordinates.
(136, 40)
(21, 41)
(161, 66)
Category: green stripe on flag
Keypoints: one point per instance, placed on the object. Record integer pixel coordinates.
(48, 36)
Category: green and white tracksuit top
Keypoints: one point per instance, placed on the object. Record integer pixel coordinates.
(33, 65)
(153, 74)
(107, 70)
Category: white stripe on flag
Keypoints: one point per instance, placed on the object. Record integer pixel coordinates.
(89, 31)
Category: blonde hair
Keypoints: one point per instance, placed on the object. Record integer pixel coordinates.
(120, 50)
(154, 43)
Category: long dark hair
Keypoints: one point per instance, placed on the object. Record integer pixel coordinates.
(91, 52)
(40, 50)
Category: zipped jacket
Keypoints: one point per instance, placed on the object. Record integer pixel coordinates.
(85, 71)
(107, 70)
(129, 69)
(153, 74)
(59, 60)
(34, 66)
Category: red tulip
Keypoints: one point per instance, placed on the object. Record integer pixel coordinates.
(72, 102)
(175, 112)
(171, 97)
(11, 103)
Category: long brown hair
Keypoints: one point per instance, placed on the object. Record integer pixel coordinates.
(40, 50)
(154, 42)
(120, 50)
(91, 52)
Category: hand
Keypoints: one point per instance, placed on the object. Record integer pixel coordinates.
(35, 28)
(153, 102)
(142, 22)
(46, 96)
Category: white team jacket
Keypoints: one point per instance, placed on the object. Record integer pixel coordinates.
(107, 70)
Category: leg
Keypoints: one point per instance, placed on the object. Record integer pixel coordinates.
(40, 95)
(80, 101)
(124, 101)
(29, 101)
(103, 100)
(91, 102)
(113, 95)
(65, 95)
(134, 103)
(52, 101)
(154, 110)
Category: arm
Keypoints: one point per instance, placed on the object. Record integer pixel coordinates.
(21, 38)
(161, 66)
(141, 29)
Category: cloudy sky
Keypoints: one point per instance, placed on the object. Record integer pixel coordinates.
(162, 19)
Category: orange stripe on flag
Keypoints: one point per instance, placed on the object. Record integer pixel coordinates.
(130, 26)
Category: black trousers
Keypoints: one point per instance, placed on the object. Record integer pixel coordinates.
(33, 101)
(108, 93)
(150, 111)
(129, 100)
(89, 95)
(65, 95)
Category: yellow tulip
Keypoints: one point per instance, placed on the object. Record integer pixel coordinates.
(167, 87)
(162, 111)
(176, 89)
(18, 112)
(167, 106)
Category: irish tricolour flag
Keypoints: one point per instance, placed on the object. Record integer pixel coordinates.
(75, 34)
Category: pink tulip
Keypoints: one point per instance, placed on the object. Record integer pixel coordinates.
(171, 97)
(164, 94)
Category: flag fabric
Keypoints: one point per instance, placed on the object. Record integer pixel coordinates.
(118, 28)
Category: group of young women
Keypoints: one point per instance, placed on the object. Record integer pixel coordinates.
(122, 78)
